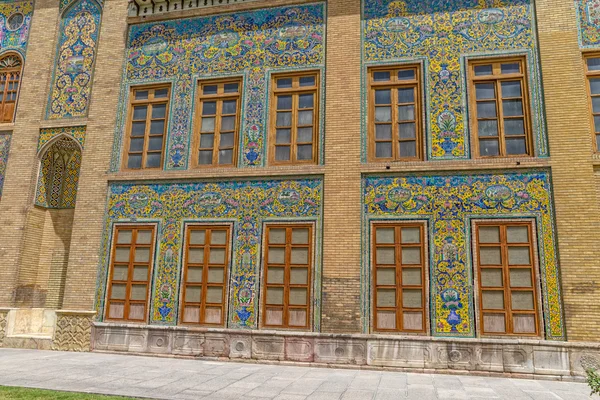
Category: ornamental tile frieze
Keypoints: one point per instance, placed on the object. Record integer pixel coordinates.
(443, 36)
(249, 44)
(15, 24)
(449, 203)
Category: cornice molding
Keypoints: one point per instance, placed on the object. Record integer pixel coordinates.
(138, 8)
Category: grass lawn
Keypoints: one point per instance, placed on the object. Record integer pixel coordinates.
(17, 393)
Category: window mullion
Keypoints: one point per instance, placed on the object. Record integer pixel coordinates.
(398, 261)
(395, 134)
(506, 280)
(294, 132)
(500, 114)
(204, 286)
(217, 138)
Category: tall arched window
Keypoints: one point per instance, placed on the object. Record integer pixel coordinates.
(10, 78)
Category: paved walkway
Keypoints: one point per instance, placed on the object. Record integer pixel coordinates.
(168, 378)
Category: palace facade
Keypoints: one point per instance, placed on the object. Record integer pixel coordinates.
(386, 183)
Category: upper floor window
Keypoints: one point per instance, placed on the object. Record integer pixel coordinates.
(506, 272)
(10, 78)
(294, 122)
(500, 114)
(396, 125)
(592, 69)
(146, 127)
(218, 124)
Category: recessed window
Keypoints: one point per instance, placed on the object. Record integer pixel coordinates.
(130, 273)
(499, 108)
(592, 66)
(506, 279)
(287, 276)
(395, 121)
(15, 21)
(294, 122)
(217, 130)
(205, 275)
(399, 276)
(10, 79)
(148, 120)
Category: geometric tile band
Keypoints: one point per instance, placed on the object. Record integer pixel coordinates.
(449, 202)
(245, 204)
(443, 35)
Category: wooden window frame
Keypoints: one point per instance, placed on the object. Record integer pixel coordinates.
(295, 91)
(589, 75)
(398, 245)
(286, 281)
(497, 78)
(205, 270)
(128, 131)
(11, 72)
(219, 98)
(130, 282)
(394, 84)
(506, 289)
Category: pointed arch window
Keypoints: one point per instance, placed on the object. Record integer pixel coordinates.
(10, 79)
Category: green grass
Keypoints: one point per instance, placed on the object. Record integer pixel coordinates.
(18, 393)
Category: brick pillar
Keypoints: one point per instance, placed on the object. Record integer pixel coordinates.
(342, 206)
(18, 218)
(576, 201)
(91, 196)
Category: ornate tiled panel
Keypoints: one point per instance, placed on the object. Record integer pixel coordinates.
(249, 44)
(15, 23)
(443, 36)
(450, 202)
(74, 64)
(48, 134)
(246, 204)
(588, 14)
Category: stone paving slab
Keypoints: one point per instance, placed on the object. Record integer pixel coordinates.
(184, 379)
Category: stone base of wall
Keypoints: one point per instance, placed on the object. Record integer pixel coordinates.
(73, 330)
(522, 358)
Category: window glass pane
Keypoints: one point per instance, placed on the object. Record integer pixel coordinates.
(483, 70)
(196, 256)
(518, 256)
(275, 275)
(593, 64)
(217, 256)
(218, 237)
(209, 108)
(153, 160)
(284, 119)
(305, 152)
(136, 145)
(191, 314)
(141, 94)
(385, 235)
(207, 141)
(193, 294)
(406, 74)
(520, 277)
(274, 295)
(485, 91)
(487, 128)
(305, 118)
(515, 146)
(140, 112)
(522, 300)
(142, 255)
(306, 100)
(491, 277)
(208, 125)
(284, 83)
(159, 111)
(412, 276)
(380, 76)
(194, 274)
(136, 312)
(118, 292)
(597, 123)
(489, 234)
(411, 255)
(307, 81)
(231, 87)
(383, 131)
(494, 323)
(493, 300)
(305, 135)
(486, 109)
(227, 124)
(299, 276)
(595, 85)
(512, 108)
(524, 323)
(386, 320)
(385, 255)
(383, 114)
(596, 104)
(134, 162)
(124, 236)
(214, 294)
(511, 89)
(300, 236)
(383, 96)
(157, 127)
(116, 310)
(140, 273)
(276, 255)
(283, 136)
(489, 148)
(517, 234)
(120, 273)
(284, 102)
(205, 157)
(383, 150)
(406, 95)
(230, 107)
(226, 140)
(299, 256)
(514, 126)
(298, 296)
(412, 321)
(155, 143)
(511, 68)
(225, 157)
(138, 129)
(406, 113)
(407, 131)
(412, 298)
(277, 236)
(138, 292)
(386, 276)
(122, 254)
(282, 153)
(210, 89)
(490, 256)
(386, 297)
(161, 93)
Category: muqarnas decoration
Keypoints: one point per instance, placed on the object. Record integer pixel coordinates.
(76, 53)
